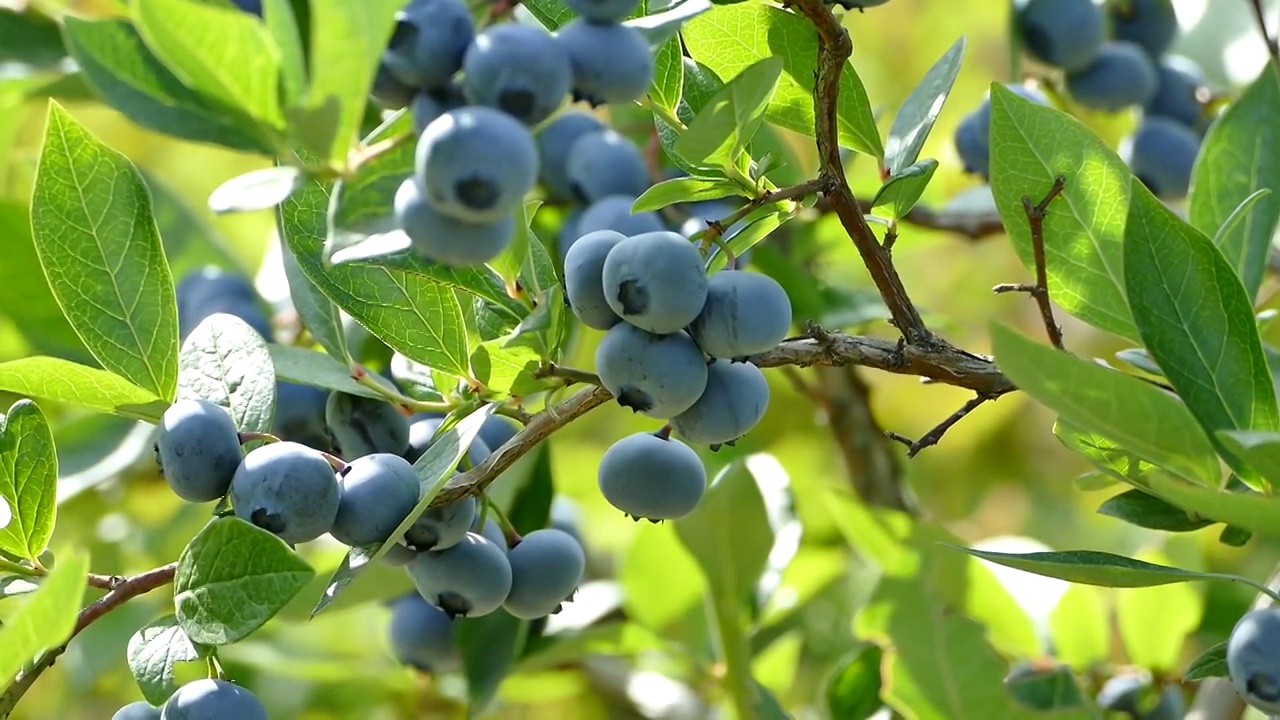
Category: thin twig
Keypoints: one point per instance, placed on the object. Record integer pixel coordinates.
(932, 437)
(1036, 214)
(571, 375)
(122, 592)
(1273, 43)
(368, 153)
(716, 228)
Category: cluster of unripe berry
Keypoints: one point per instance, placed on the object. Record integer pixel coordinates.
(1112, 57)
(476, 99)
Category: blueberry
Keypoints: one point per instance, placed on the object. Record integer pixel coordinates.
(611, 63)
(569, 231)
(378, 492)
(614, 213)
(565, 517)
(973, 132)
(363, 426)
(476, 164)
(253, 7)
(491, 531)
(427, 105)
(210, 290)
(1253, 658)
(287, 489)
(470, 579)
(605, 163)
(423, 428)
(211, 699)
(1123, 693)
(444, 239)
(655, 281)
(1122, 75)
(139, 710)
(1162, 154)
(736, 397)
(518, 69)
(583, 286)
(389, 92)
(652, 477)
(443, 526)
(1172, 706)
(199, 449)
(1175, 96)
(1063, 33)
(745, 313)
(428, 42)
(658, 375)
(603, 11)
(1153, 24)
(546, 567)
(555, 140)
(300, 415)
(249, 312)
(422, 636)
(496, 430)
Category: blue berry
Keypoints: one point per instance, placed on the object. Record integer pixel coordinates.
(1063, 33)
(657, 375)
(199, 449)
(1121, 76)
(428, 42)
(651, 477)
(476, 164)
(287, 489)
(518, 69)
(444, 239)
(211, 699)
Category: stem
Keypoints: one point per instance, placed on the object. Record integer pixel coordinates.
(1273, 45)
(368, 153)
(572, 375)
(513, 537)
(365, 378)
(19, 569)
(1040, 291)
(794, 192)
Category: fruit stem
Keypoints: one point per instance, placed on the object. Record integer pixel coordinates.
(664, 432)
(365, 378)
(336, 462)
(248, 437)
(513, 537)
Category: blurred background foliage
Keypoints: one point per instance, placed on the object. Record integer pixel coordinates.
(998, 473)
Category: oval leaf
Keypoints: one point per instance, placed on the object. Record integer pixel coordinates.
(1210, 663)
(48, 617)
(920, 110)
(28, 480)
(226, 362)
(153, 652)
(51, 378)
(1090, 567)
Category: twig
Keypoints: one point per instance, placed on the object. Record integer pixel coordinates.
(716, 228)
(834, 49)
(1273, 44)
(1040, 291)
(122, 592)
(571, 375)
(368, 153)
(932, 437)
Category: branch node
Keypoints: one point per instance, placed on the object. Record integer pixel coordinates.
(932, 437)
(1039, 291)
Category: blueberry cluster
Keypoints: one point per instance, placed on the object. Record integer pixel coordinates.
(662, 317)
(1253, 659)
(1134, 695)
(1112, 58)
(475, 98)
(208, 699)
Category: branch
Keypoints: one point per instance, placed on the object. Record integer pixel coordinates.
(1273, 45)
(1040, 291)
(970, 226)
(123, 590)
(716, 228)
(932, 437)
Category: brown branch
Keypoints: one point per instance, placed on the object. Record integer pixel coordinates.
(716, 228)
(122, 591)
(571, 376)
(972, 227)
(1040, 290)
(834, 49)
(932, 437)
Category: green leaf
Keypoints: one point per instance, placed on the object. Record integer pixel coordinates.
(1031, 145)
(1114, 462)
(309, 367)
(98, 244)
(902, 191)
(256, 190)
(1234, 162)
(50, 378)
(914, 121)
(489, 647)
(1236, 219)
(1196, 320)
(347, 41)
(1138, 416)
(531, 506)
(1092, 567)
(722, 129)
(412, 313)
(661, 27)
(28, 480)
(1210, 663)
(1145, 510)
(362, 204)
(1154, 622)
(684, 190)
(24, 292)
(47, 617)
(660, 580)
(853, 692)
(130, 79)
(232, 578)
(1080, 627)
(516, 263)
(506, 368)
(1261, 450)
(551, 13)
(1247, 510)
(1044, 688)
(283, 25)
(760, 223)
(318, 314)
(218, 51)
(153, 652)
(668, 75)
(29, 38)
(732, 37)
(226, 362)
(434, 468)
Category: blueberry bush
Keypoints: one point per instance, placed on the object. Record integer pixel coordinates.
(639, 359)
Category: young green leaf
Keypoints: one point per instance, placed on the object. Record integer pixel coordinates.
(1145, 510)
(130, 79)
(282, 24)
(1080, 628)
(47, 617)
(153, 652)
(226, 362)
(662, 26)
(737, 36)
(1210, 663)
(489, 645)
(308, 367)
(98, 244)
(1243, 137)
(1044, 688)
(914, 121)
(256, 190)
(1031, 145)
(902, 191)
(50, 378)
(318, 313)
(1140, 417)
(232, 578)
(1260, 450)
(1196, 320)
(218, 51)
(1091, 567)
(684, 190)
(28, 480)
(853, 692)
(668, 75)
(721, 130)
(506, 368)
(1247, 510)
(1153, 622)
